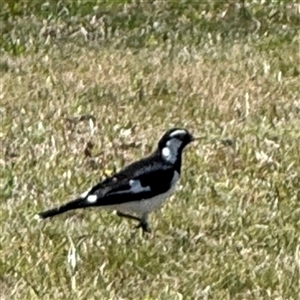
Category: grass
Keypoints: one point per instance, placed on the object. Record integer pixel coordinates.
(75, 83)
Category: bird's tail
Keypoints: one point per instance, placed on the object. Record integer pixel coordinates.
(74, 204)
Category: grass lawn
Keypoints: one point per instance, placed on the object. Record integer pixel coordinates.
(89, 86)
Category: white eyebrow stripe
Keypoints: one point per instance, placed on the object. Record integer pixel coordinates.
(178, 132)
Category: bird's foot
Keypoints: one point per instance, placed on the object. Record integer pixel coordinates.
(145, 231)
(145, 227)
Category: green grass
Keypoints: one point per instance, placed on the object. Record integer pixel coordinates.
(76, 72)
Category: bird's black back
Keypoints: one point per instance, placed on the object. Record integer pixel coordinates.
(153, 172)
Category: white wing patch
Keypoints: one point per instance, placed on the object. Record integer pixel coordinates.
(178, 132)
(92, 198)
(136, 187)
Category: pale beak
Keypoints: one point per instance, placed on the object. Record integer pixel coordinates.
(197, 138)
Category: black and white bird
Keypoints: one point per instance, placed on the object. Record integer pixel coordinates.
(141, 187)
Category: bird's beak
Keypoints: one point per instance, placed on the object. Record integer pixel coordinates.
(197, 138)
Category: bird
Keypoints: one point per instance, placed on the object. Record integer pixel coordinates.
(139, 188)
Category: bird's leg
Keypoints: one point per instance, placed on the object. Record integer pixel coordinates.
(120, 214)
(144, 224)
(143, 221)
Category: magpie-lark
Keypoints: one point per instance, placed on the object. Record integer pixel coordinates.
(141, 187)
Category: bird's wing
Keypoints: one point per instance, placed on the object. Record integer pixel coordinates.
(133, 184)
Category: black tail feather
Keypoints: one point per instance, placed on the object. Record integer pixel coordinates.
(75, 204)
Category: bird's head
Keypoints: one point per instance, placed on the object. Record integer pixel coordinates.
(173, 142)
